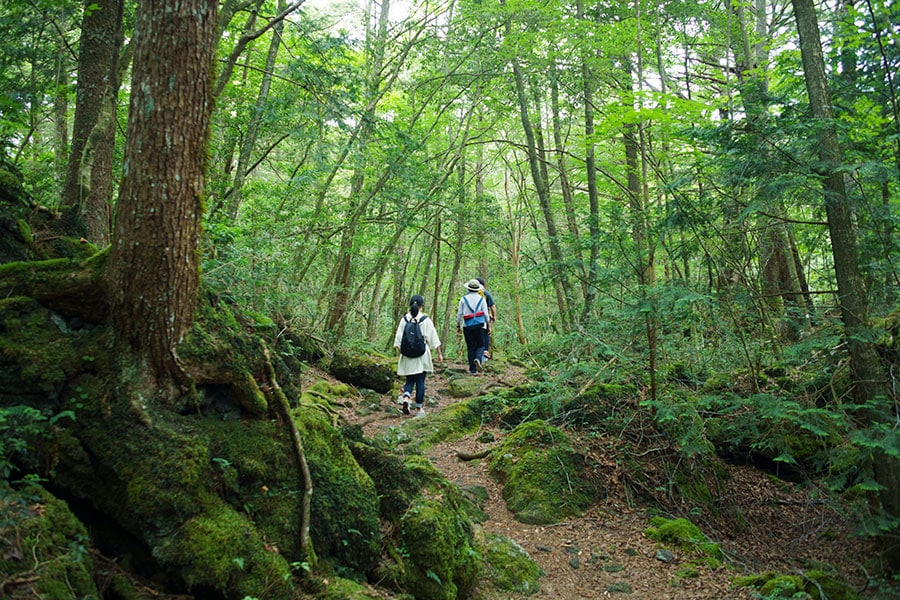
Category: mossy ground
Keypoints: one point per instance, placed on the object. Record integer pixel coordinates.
(44, 548)
(208, 492)
(544, 479)
(815, 584)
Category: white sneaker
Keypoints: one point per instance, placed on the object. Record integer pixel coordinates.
(420, 412)
(478, 366)
(404, 404)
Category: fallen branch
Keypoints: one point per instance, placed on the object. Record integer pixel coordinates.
(473, 456)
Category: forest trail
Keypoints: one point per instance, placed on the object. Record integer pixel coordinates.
(604, 553)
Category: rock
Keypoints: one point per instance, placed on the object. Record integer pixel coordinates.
(665, 556)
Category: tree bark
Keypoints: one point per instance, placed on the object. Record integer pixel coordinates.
(88, 186)
(590, 165)
(869, 379)
(154, 262)
(542, 187)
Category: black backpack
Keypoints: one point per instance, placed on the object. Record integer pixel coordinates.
(412, 344)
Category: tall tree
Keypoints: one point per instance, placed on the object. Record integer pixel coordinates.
(154, 270)
(869, 379)
(87, 191)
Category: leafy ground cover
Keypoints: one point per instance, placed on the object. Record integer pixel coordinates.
(760, 524)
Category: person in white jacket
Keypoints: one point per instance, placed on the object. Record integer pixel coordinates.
(415, 368)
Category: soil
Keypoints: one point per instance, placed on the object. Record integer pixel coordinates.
(782, 527)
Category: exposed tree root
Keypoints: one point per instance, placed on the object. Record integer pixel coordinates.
(306, 479)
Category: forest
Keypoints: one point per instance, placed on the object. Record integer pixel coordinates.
(213, 216)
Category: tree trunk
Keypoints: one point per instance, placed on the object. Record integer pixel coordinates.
(249, 143)
(868, 377)
(154, 263)
(542, 187)
(590, 165)
(88, 187)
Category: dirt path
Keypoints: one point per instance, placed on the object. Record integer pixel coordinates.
(605, 553)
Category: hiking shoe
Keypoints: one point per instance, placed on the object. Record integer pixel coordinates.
(404, 404)
(478, 366)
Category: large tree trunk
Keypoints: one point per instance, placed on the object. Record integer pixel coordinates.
(869, 379)
(154, 264)
(88, 186)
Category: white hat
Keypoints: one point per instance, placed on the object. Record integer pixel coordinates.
(473, 286)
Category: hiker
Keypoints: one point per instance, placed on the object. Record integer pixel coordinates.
(472, 320)
(416, 338)
(492, 316)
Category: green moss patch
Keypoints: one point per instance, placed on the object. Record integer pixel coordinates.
(817, 584)
(345, 503)
(43, 547)
(441, 561)
(220, 550)
(683, 534)
(544, 479)
(509, 566)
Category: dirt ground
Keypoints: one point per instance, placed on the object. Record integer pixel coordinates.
(604, 553)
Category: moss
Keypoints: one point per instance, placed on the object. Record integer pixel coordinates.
(36, 349)
(442, 563)
(327, 389)
(338, 588)
(218, 550)
(544, 480)
(250, 396)
(455, 421)
(370, 371)
(463, 386)
(509, 566)
(345, 503)
(396, 483)
(818, 584)
(25, 231)
(48, 546)
(683, 534)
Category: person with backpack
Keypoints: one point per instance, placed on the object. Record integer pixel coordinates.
(472, 320)
(416, 339)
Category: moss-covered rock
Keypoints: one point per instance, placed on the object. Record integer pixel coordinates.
(441, 560)
(817, 584)
(455, 421)
(463, 386)
(544, 479)
(509, 567)
(43, 543)
(364, 370)
(681, 533)
(345, 503)
(220, 550)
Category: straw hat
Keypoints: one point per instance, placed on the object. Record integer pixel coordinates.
(473, 286)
